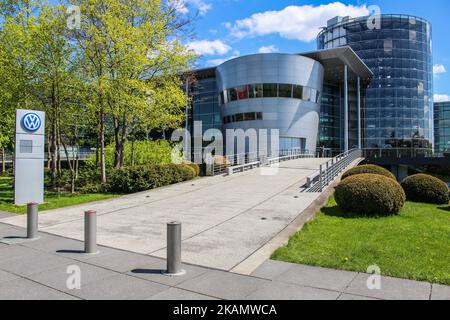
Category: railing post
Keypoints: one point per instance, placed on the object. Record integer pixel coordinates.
(320, 179)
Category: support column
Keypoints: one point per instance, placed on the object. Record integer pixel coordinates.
(358, 90)
(186, 147)
(345, 108)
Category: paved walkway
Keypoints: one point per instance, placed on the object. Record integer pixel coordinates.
(225, 218)
(38, 270)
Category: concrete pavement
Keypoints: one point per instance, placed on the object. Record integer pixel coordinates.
(225, 218)
(39, 270)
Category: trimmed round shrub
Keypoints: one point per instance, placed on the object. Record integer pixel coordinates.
(368, 168)
(194, 167)
(370, 195)
(425, 188)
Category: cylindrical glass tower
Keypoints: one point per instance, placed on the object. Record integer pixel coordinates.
(398, 111)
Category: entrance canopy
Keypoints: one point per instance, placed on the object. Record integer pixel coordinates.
(334, 61)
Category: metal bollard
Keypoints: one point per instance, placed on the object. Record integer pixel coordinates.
(90, 232)
(174, 249)
(32, 220)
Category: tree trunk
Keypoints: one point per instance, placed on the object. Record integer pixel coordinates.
(53, 155)
(77, 163)
(3, 160)
(97, 155)
(132, 153)
(122, 153)
(102, 148)
(71, 168)
(49, 152)
(120, 134)
(58, 154)
(117, 144)
(122, 142)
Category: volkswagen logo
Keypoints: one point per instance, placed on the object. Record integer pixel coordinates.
(31, 122)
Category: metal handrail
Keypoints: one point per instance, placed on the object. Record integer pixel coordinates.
(330, 170)
(240, 162)
(398, 153)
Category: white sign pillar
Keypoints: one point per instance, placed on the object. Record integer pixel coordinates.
(29, 157)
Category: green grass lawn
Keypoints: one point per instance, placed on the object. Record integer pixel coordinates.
(413, 245)
(53, 200)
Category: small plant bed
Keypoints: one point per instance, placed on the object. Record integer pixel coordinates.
(54, 200)
(414, 244)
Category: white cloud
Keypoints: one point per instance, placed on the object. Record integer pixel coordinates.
(182, 6)
(179, 5)
(438, 69)
(268, 49)
(441, 98)
(216, 62)
(301, 23)
(206, 47)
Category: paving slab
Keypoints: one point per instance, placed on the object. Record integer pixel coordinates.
(316, 277)
(5, 215)
(119, 287)
(352, 297)
(154, 272)
(33, 263)
(179, 294)
(391, 289)
(23, 289)
(7, 276)
(9, 252)
(440, 292)
(221, 227)
(271, 269)
(65, 247)
(282, 291)
(122, 261)
(57, 277)
(224, 285)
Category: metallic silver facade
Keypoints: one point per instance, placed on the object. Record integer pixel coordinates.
(294, 118)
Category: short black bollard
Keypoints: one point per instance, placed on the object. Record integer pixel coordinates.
(174, 249)
(90, 232)
(32, 220)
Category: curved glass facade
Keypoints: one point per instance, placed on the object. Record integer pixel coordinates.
(247, 116)
(398, 110)
(269, 90)
(272, 91)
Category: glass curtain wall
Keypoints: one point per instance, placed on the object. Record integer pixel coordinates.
(204, 107)
(330, 135)
(399, 108)
(442, 127)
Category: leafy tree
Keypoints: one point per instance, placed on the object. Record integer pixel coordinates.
(132, 52)
(58, 85)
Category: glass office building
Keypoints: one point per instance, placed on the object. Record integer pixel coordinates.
(304, 97)
(442, 127)
(398, 111)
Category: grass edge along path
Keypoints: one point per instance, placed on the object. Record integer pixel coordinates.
(413, 245)
(53, 200)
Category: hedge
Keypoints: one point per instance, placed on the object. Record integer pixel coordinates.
(425, 188)
(141, 178)
(369, 168)
(370, 194)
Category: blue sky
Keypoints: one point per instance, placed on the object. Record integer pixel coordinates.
(229, 28)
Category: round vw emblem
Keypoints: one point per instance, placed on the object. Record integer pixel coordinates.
(31, 122)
